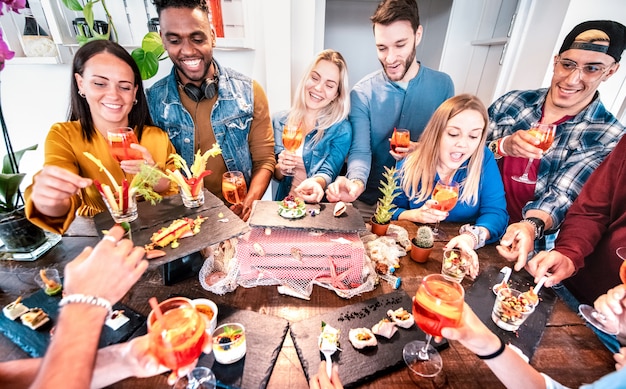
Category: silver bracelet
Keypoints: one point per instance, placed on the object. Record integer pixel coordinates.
(86, 299)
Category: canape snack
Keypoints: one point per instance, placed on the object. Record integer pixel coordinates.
(385, 328)
(401, 317)
(362, 337)
(34, 318)
(15, 309)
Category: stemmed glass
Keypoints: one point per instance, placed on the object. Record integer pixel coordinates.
(120, 140)
(445, 196)
(594, 317)
(438, 304)
(545, 134)
(177, 335)
(234, 187)
(292, 139)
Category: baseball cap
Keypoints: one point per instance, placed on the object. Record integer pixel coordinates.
(616, 32)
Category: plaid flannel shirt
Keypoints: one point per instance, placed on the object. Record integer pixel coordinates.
(580, 145)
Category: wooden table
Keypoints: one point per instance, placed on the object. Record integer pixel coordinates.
(569, 351)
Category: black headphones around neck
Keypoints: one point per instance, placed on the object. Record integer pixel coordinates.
(206, 90)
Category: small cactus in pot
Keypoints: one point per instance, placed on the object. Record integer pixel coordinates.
(422, 244)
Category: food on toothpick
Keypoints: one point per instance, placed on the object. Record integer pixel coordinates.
(401, 317)
(362, 337)
(191, 180)
(385, 328)
(292, 207)
(15, 309)
(34, 318)
(51, 287)
(117, 195)
(179, 228)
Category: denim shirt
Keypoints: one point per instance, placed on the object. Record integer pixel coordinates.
(231, 118)
(324, 158)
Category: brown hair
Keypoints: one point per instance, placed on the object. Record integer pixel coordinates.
(389, 11)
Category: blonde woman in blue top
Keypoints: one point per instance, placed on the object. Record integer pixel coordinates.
(452, 147)
(321, 106)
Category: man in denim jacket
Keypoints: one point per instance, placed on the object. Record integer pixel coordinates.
(201, 103)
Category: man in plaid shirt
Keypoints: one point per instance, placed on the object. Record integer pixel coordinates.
(585, 134)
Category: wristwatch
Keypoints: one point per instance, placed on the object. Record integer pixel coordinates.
(496, 147)
(478, 233)
(538, 224)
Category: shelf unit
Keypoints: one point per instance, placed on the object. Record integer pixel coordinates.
(131, 22)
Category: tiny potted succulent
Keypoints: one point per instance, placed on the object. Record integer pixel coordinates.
(422, 244)
(382, 215)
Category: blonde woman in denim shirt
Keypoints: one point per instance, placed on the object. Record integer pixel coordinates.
(320, 109)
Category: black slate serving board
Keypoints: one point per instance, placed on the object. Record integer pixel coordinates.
(153, 217)
(357, 366)
(265, 214)
(35, 342)
(481, 298)
(265, 335)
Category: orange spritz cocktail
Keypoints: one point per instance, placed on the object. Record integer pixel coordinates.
(292, 138)
(400, 138)
(545, 137)
(438, 304)
(120, 140)
(234, 187)
(446, 198)
(177, 339)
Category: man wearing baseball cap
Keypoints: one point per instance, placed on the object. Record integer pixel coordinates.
(585, 134)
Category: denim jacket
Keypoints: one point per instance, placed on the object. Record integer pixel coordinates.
(231, 118)
(324, 158)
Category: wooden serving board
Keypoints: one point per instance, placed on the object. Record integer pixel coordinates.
(481, 298)
(357, 366)
(153, 217)
(35, 342)
(265, 214)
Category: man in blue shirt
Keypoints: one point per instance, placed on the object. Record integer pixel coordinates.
(403, 94)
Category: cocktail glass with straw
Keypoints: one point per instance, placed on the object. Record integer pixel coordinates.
(438, 303)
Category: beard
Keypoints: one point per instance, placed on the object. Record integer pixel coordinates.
(407, 64)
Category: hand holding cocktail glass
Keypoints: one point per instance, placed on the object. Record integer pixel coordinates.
(445, 196)
(400, 143)
(544, 136)
(292, 140)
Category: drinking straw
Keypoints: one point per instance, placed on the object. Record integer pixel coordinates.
(155, 307)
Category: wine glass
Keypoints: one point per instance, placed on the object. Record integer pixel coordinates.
(445, 196)
(234, 187)
(292, 139)
(438, 304)
(545, 134)
(177, 334)
(401, 137)
(198, 378)
(120, 139)
(594, 317)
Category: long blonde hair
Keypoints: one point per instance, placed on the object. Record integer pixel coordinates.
(420, 166)
(334, 112)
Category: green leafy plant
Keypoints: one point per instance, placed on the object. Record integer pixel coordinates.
(87, 11)
(424, 237)
(10, 181)
(147, 56)
(389, 190)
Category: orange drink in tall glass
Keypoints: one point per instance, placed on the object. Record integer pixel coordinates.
(234, 187)
(438, 304)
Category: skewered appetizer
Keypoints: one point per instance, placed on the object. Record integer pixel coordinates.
(51, 287)
(15, 309)
(362, 337)
(401, 317)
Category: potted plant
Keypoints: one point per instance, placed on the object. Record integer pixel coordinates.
(389, 190)
(422, 244)
(147, 56)
(16, 231)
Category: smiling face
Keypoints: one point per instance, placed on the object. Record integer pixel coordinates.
(108, 85)
(322, 86)
(459, 140)
(395, 45)
(189, 42)
(569, 92)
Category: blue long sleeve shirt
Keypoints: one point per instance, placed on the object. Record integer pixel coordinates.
(489, 211)
(379, 105)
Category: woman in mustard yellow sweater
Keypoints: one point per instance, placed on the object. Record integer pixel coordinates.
(106, 93)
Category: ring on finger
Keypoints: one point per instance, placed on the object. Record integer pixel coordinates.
(110, 238)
